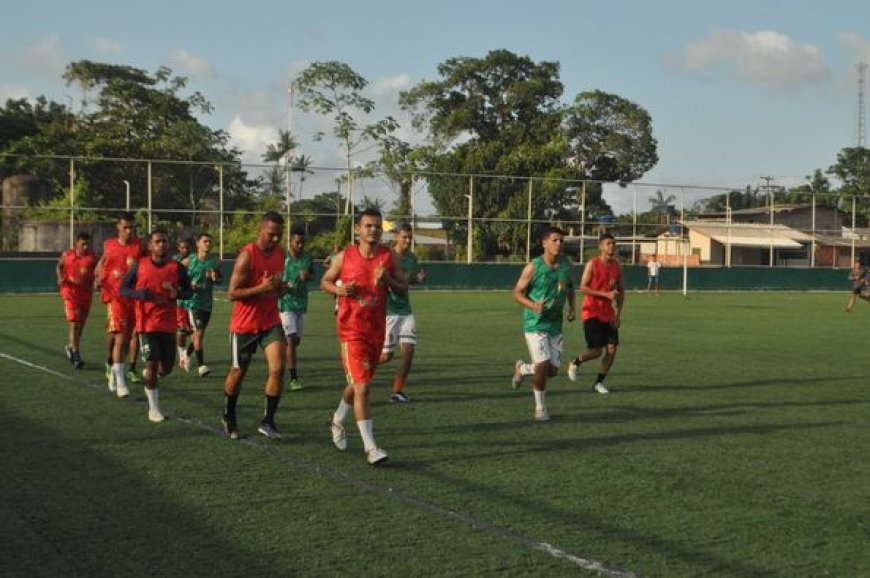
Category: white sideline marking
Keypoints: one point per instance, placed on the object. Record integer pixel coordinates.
(483, 527)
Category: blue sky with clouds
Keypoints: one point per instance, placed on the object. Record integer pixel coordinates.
(736, 89)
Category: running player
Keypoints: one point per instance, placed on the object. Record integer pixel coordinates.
(154, 283)
(205, 270)
(366, 271)
(182, 320)
(119, 254)
(293, 305)
(601, 285)
(75, 278)
(254, 288)
(401, 325)
(858, 278)
(542, 289)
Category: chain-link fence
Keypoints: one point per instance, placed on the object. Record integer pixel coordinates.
(466, 218)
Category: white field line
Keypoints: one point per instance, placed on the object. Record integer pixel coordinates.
(390, 493)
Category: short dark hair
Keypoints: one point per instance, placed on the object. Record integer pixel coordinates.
(187, 240)
(158, 231)
(125, 216)
(272, 217)
(203, 234)
(403, 226)
(83, 236)
(551, 230)
(297, 232)
(605, 236)
(368, 212)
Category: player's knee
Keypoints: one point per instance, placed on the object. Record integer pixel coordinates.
(611, 349)
(385, 356)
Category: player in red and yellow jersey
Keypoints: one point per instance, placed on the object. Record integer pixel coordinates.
(153, 283)
(601, 285)
(254, 288)
(360, 276)
(119, 254)
(75, 278)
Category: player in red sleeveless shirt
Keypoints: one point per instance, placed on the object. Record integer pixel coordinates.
(75, 278)
(254, 288)
(602, 285)
(154, 283)
(119, 254)
(360, 276)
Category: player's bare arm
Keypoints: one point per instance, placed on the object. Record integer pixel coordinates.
(398, 281)
(59, 270)
(327, 282)
(572, 296)
(98, 271)
(522, 286)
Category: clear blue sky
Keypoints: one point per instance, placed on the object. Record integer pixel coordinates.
(736, 90)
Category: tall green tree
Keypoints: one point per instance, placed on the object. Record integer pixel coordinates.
(853, 170)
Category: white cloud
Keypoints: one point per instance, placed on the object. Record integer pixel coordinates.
(252, 139)
(106, 46)
(44, 55)
(859, 46)
(191, 64)
(765, 57)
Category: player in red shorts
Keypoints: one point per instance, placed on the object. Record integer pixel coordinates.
(119, 254)
(360, 276)
(75, 278)
(154, 283)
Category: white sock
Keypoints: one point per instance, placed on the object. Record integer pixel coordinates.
(182, 352)
(342, 412)
(119, 370)
(152, 395)
(540, 399)
(365, 431)
(527, 369)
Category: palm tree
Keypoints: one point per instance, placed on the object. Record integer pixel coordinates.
(280, 151)
(660, 203)
(301, 165)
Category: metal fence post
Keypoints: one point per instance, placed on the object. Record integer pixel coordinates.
(72, 201)
(529, 224)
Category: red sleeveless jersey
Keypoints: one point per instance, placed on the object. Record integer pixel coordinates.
(363, 317)
(78, 276)
(159, 280)
(117, 260)
(606, 276)
(260, 313)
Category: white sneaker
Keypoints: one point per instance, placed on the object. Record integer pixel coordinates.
(376, 456)
(542, 415)
(184, 361)
(156, 415)
(203, 370)
(339, 437)
(122, 391)
(599, 387)
(517, 380)
(573, 371)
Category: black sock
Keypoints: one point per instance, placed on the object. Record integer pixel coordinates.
(271, 408)
(230, 406)
(200, 357)
(293, 374)
(133, 366)
(600, 378)
(189, 349)
(110, 360)
(577, 360)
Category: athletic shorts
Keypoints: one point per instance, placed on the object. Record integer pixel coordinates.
(243, 345)
(182, 321)
(76, 311)
(120, 316)
(158, 346)
(600, 333)
(543, 347)
(359, 360)
(654, 278)
(199, 318)
(857, 290)
(400, 329)
(293, 323)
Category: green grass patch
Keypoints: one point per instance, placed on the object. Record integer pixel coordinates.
(734, 443)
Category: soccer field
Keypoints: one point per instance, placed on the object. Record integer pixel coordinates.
(735, 442)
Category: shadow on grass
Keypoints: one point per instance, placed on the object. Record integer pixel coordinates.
(67, 511)
(784, 380)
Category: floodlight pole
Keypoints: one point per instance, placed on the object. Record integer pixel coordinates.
(127, 187)
(72, 201)
(582, 221)
(529, 224)
(852, 254)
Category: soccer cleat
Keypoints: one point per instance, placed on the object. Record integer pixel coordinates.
(110, 378)
(517, 380)
(132, 377)
(376, 456)
(184, 361)
(270, 431)
(573, 371)
(339, 437)
(122, 391)
(295, 384)
(230, 428)
(77, 360)
(156, 415)
(599, 387)
(542, 415)
(399, 397)
(69, 352)
(203, 370)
